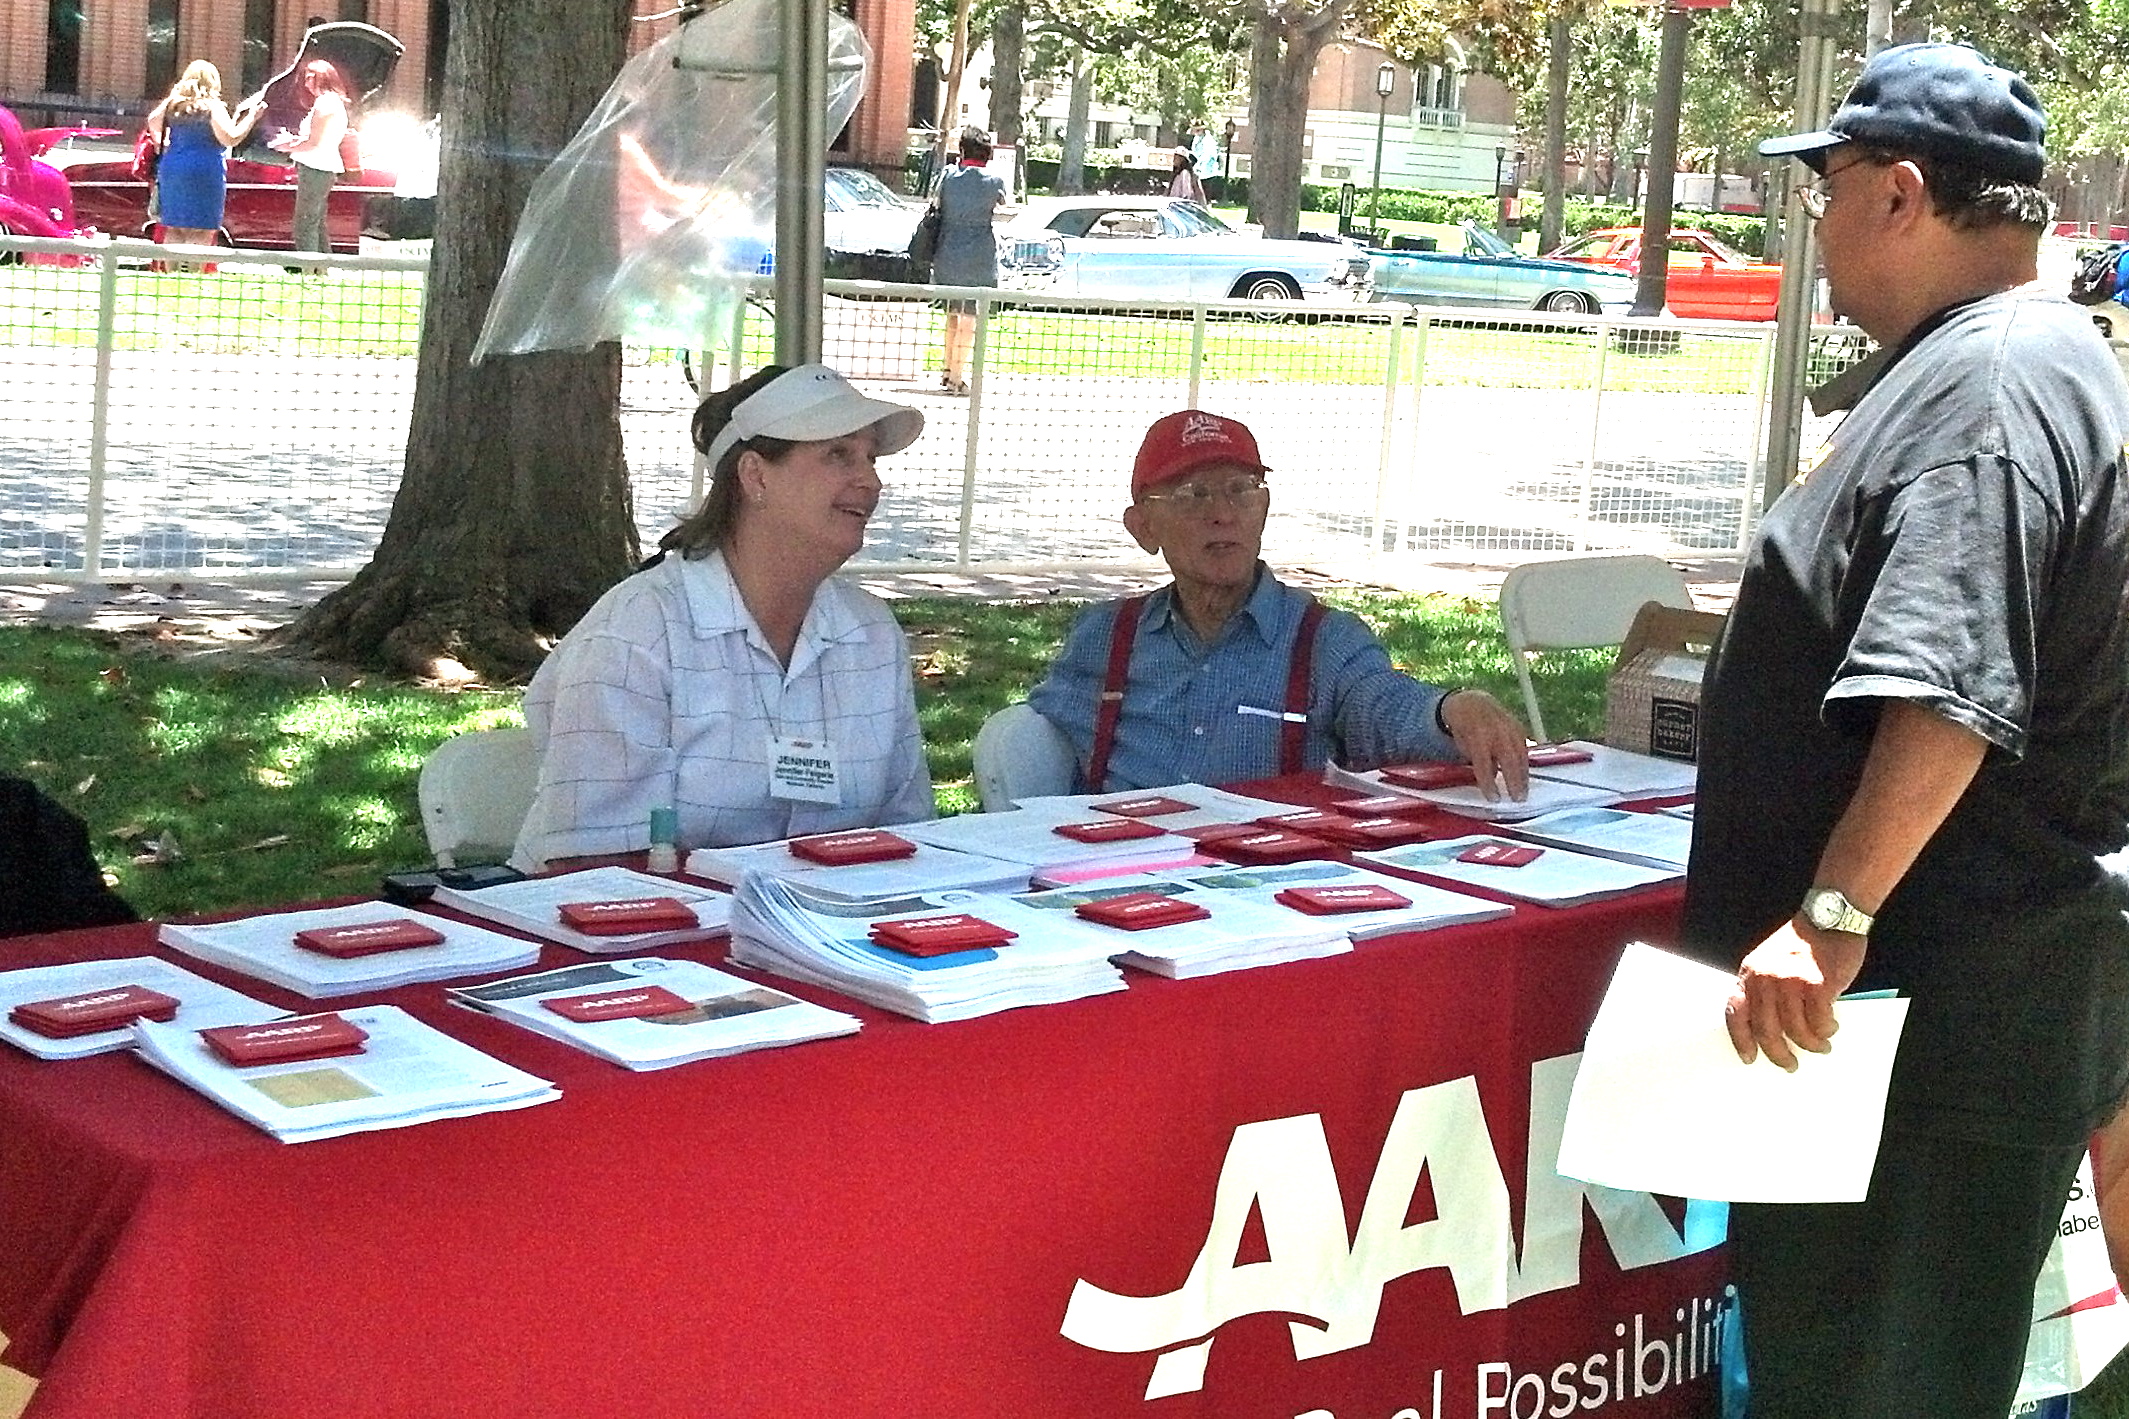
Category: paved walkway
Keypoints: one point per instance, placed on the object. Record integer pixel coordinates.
(196, 617)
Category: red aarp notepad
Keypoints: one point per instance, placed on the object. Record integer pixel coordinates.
(1107, 830)
(1381, 831)
(844, 849)
(628, 916)
(67, 1016)
(367, 938)
(1271, 845)
(1543, 756)
(637, 1002)
(1501, 855)
(1430, 775)
(1157, 806)
(1330, 901)
(1393, 805)
(939, 935)
(280, 1041)
(1140, 911)
(1303, 820)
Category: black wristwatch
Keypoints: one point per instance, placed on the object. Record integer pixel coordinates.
(1442, 704)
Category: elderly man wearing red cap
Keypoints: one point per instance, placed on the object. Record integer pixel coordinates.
(1914, 759)
(1228, 674)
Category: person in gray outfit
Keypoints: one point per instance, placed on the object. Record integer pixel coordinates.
(967, 254)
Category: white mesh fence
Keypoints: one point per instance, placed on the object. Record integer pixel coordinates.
(251, 419)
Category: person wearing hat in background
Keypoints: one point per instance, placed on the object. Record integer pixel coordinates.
(1185, 183)
(1914, 759)
(715, 680)
(1228, 674)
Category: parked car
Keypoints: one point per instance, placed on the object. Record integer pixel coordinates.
(1166, 249)
(1709, 280)
(261, 205)
(1490, 272)
(864, 215)
(34, 200)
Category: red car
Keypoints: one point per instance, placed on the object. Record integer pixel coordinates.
(1708, 280)
(261, 206)
(34, 200)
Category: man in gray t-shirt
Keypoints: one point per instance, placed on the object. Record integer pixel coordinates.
(1915, 759)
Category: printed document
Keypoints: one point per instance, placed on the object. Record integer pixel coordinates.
(1662, 1103)
(201, 1003)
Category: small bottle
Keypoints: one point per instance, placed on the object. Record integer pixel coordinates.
(665, 828)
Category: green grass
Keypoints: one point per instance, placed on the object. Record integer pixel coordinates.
(237, 310)
(278, 790)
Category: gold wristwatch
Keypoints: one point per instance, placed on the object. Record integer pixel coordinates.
(1828, 910)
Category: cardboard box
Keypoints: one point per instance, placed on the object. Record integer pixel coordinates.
(1652, 702)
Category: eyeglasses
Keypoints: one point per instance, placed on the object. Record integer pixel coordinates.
(1198, 497)
(1816, 195)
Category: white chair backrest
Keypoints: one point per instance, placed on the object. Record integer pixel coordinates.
(475, 790)
(1578, 602)
(1019, 754)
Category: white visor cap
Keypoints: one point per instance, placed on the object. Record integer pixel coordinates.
(812, 402)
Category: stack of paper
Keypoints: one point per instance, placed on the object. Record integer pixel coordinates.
(1173, 809)
(1545, 796)
(264, 946)
(930, 869)
(1029, 838)
(1429, 907)
(406, 1073)
(201, 1002)
(1552, 876)
(1662, 1103)
(535, 905)
(1236, 934)
(1624, 772)
(783, 927)
(1653, 839)
(724, 1014)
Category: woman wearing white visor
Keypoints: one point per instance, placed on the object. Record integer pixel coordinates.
(735, 679)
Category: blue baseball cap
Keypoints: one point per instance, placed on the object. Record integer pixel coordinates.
(1941, 101)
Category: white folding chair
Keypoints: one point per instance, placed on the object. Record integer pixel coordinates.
(1576, 603)
(1019, 754)
(475, 790)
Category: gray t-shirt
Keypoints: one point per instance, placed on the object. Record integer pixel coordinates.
(1962, 544)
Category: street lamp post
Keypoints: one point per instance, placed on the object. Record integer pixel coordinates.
(1227, 165)
(1385, 81)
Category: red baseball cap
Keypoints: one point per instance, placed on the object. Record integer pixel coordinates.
(1181, 443)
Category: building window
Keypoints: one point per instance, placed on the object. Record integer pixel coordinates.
(162, 46)
(62, 47)
(439, 44)
(355, 10)
(258, 43)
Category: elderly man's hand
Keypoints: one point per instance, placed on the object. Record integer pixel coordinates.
(1489, 736)
(1786, 989)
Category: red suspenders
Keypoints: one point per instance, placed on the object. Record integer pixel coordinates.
(1293, 731)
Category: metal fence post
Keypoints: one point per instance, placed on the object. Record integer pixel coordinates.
(1414, 504)
(1749, 504)
(1389, 432)
(1596, 423)
(976, 356)
(1197, 353)
(100, 411)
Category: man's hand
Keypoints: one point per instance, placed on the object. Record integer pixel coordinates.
(1786, 989)
(1489, 736)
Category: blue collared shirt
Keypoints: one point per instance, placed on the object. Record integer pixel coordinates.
(1197, 713)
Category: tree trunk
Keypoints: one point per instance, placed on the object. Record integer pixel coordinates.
(1554, 219)
(1284, 43)
(1008, 34)
(514, 513)
(1653, 288)
(1072, 162)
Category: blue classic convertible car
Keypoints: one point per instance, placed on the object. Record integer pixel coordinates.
(1489, 272)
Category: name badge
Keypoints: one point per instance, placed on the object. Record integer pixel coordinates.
(803, 771)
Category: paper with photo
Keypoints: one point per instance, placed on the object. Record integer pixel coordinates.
(1663, 1104)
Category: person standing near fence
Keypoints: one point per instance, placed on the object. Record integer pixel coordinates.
(967, 255)
(1914, 759)
(195, 131)
(1185, 184)
(315, 147)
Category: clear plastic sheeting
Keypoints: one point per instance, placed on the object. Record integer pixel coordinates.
(646, 227)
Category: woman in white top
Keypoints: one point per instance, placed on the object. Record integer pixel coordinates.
(1185, 183)
(735, 679)
(315, 146)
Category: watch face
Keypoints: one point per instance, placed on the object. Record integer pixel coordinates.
(1821, 911)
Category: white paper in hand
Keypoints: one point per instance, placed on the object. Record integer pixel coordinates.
(1662, 1104)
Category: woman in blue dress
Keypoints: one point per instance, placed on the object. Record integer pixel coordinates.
(967, 254)
(195, 132)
